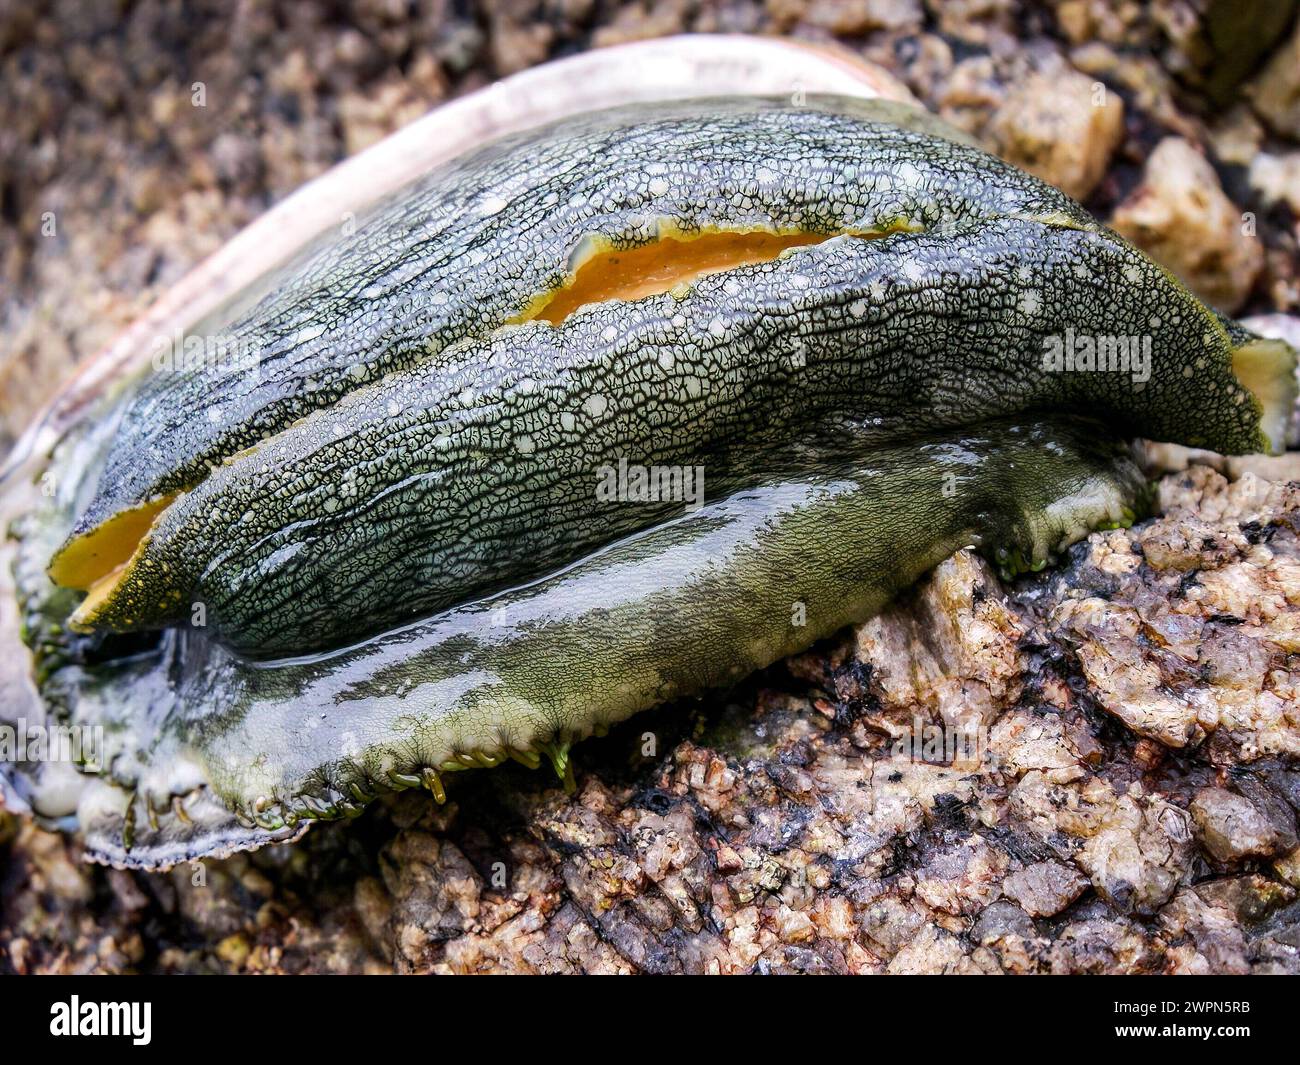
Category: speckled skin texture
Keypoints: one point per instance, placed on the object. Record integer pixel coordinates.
(356, 518)
(405, 495)
(476, 242)
(696, 603)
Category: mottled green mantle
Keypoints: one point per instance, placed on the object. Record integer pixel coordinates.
(695, 603)
(472, 245)
(478, 467)
(444, 459)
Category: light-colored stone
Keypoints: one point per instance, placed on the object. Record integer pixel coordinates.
(1236, 136)
(1232, 827)
(951, 653)
(1276, 178)
(1045, 888)
(1140, 855)
(1288, 867)
(1276, 92)
(850, 16)
(1181, 217)
(1062, 127)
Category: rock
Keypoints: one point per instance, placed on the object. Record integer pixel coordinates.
(932, 952)
(1045, 888)
(519, 38)
(1231, 827)
(999, 920)
(970, 93)
(436, 893)
(1023, 742)
(369, 118)
(1098, 20)
(849, 16)
(1151, 96)
(1216, 943)
(639, 21)
(1275, 177)
(1134, 846)
(1288, 867)
(962, 879)
(1139, 855)
(234, 950)
(1099, 942)
(1276, 92)
(373, 906)
(1215, 44)
(236, 160)
(1190, 545)
(1159, 647)
(975, 21)
(1111, 644)
(1181, 217)
(1062, 127)
(950, 654)
(1236, 137)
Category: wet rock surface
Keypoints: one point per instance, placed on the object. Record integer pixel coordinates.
(1094, 770)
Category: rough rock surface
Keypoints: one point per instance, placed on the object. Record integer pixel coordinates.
(1062, 128)
(1095, 770)
(1181, 216)
(1276, 92)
